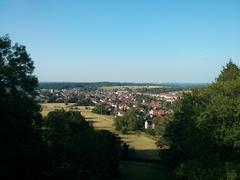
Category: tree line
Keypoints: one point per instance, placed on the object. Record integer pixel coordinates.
(88, 86)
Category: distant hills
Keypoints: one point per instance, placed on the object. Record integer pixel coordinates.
(185, 85)
(97, 85)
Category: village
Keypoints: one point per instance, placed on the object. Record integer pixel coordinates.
(116, 101)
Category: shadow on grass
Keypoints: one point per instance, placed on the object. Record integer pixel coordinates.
(147, 154)
(89, 118)
(143, 165)
(142, 170)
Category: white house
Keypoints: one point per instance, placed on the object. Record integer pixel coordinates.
(149, 125)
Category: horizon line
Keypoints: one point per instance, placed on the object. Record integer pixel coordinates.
(122, 82)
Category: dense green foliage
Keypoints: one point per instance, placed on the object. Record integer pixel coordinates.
(160, 124)
(83, 101)
(78, 150)
(230, 72)
(158, 90)
(64, 146)
(17, 89)
(68, 85)
(20, 114)
(131, 121)
(102, 109)
(204, 134)
(186, 85)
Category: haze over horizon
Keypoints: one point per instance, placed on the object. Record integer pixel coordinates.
(125, 41)
(157, 83)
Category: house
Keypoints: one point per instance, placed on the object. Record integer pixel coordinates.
(154, 105)
(123, 106)
(149, 124)
(170, 97)
(120, 113)
(158, 113)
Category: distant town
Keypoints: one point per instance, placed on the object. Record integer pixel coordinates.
(117, 100)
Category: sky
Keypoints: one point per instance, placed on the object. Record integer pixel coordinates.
(150, 41)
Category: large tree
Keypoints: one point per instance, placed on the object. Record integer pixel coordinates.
(65, 146)
(19, 110)
(79, 151)
(131, 121)
(230, 72)
(204, 135)
(20, 113)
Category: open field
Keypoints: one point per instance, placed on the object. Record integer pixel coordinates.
(144, 146)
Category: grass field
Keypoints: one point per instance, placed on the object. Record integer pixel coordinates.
(143, 145)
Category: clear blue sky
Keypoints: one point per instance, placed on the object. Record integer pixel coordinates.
(125, 40)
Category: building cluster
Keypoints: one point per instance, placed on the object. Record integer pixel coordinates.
(117, 102)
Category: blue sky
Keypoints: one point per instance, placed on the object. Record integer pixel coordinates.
(125, 40)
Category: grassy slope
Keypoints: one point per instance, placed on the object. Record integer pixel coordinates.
(144, 146)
